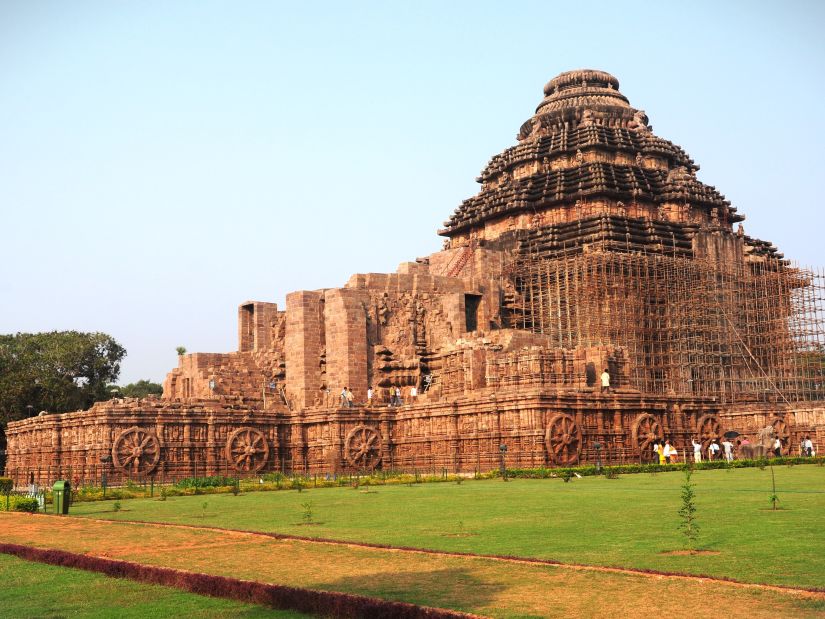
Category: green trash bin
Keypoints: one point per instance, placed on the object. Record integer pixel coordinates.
(61, 496)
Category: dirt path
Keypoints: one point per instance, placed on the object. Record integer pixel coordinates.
(493, 586)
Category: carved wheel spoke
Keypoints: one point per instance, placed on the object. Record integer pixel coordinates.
(136, 451)
(563, 440)
(362, 447)
(708, 428)
(646, 430)
(247, 450)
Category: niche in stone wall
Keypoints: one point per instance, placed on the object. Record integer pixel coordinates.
(471, 304)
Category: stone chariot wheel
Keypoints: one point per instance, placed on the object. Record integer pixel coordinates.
(136, 451)
(783, 433)
(708, 428)
(362, 447)
(247, 450)
(563, 440)
(646, 429)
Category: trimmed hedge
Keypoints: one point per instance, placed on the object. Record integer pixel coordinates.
(628, 469)
(205, 482)
(19, 503)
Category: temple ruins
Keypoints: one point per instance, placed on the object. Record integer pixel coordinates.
(590, 245)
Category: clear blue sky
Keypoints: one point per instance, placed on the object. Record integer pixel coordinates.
(162, 162)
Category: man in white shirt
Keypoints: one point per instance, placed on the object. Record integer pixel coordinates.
(728, 450)
(605, 377)
(697, 450)
(777, 447)
(713, 450)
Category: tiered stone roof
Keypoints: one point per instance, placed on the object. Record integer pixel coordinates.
(585, 143)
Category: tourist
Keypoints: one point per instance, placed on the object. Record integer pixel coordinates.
(714, 449)
(808, 447)
(350, 398)
(398, 401)
(667, 451)
(728, 446)
(697, 450)
(344, 397)
(605, 380)
(674, 454)
(777, 447)
(369, 396)
(413, 394)
(656, 449)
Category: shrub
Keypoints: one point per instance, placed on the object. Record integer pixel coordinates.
(18, 503)
(688, 511)
(215, 481)
(116, 506)
(307, 513)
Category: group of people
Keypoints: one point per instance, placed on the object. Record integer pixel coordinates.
(665, 451)
(806, 447)
(347, 399)
(393, 396)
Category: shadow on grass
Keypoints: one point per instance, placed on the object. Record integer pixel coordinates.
(457, 589)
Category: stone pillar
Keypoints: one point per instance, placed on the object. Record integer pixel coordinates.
(211, 447)
(346, 342)
(303, 343)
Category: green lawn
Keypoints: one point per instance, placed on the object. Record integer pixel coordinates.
(40, 591)
(631, 521)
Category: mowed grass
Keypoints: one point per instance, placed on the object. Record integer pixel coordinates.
(499, 589)
(630, 522)
(42, 591)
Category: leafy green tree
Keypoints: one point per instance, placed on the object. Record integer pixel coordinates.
(141, 389)
(59, 371)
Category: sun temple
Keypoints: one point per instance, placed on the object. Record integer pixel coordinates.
(591, 248)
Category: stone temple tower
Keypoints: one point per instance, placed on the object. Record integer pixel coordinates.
(588, 170)
(615, 241)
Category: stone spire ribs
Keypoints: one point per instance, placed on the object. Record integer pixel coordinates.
(587, 153)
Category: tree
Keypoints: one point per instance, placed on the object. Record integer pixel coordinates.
(57, 372)
(687, 512)
(141, 389)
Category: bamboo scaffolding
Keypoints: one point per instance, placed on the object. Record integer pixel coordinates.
(741, 333)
